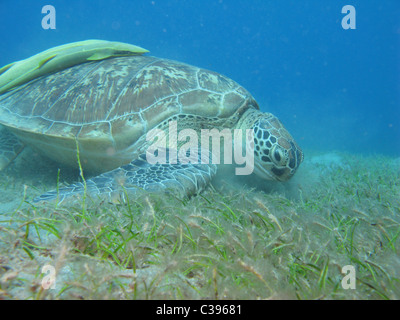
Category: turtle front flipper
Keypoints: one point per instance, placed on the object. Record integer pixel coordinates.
(10, 147)
(184, 179)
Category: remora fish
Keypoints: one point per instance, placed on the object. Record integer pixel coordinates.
(62, 57)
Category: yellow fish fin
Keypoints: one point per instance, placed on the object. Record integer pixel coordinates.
(99, 56)
(44, 61)
(5, 68)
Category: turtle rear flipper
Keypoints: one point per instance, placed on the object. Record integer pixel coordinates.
(184, 179)
(10, 147)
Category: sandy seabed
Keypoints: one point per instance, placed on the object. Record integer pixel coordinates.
(242, 238)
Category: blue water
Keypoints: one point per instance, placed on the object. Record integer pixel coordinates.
(334, 89)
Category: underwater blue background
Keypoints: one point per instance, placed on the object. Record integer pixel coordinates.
(334, 89)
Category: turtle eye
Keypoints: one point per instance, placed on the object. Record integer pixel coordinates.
(278, 156)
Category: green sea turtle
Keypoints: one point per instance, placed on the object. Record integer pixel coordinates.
(105, 109)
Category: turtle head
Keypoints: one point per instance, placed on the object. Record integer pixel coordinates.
(276, 155)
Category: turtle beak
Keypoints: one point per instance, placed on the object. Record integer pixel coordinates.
(296, 156)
